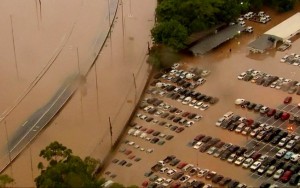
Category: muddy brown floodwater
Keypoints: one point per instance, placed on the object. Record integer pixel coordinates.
(110, 90)
(222, 82)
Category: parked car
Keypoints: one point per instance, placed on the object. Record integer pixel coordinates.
(287, 100)
(278, 174)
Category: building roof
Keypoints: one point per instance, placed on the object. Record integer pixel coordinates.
(287, 28)
(215, 40)
(262, 43)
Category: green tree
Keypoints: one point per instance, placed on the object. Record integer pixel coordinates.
(5, 179)
(64, 169)
(170, 33)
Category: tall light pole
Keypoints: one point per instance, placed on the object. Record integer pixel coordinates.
(80, 81)
(135, 94)
(14, 45)
(130, 15)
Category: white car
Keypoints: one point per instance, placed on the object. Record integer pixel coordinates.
(264, 109)
(189, 123)
(283, 141)
(295, 157)
(197, 117)
(198, 105)
(249, 29)
(193, 103)
(211, 150)
(202, 172)
(278, 174)
(201, 81)
(255, 165)
(163, 170)
(239, 161)
(242, 23)
(198, 145)
(232, 157)
(239, 101)
(160, 180)
(240, 127)
(290, 144)
(248, 162)
(167, 182)
(131, 131)
(242, 75)
(176, 66)
(281, 153)
(143, 135)
(171, 172)
(184, 178)
(137, 133)
(246, 131)
(204, 107)
(187, 100)
(218, 123)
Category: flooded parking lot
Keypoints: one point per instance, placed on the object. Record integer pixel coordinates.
(222, 82)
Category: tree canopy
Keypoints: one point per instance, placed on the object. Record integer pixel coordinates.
(65, 169)
(177, 19)
(5, 179)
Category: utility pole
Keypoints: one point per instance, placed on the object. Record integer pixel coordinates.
(14, 45)
(80, 81)
(130, 15)
(111, 133)
(135, 94)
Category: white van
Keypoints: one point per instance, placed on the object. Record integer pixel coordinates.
(228, 115)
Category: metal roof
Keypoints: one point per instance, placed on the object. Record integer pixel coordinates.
(262, 43)
(287, 28)
(216, 39)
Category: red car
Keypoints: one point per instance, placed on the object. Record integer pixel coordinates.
(185, 114)
(149, 131)
(287, 100)
(127, 152)
(181, 165)
(249, 122)
(286, 176)
(285, 116)
(145, 183)
(175, 185)
(271, 112)
(179, 129)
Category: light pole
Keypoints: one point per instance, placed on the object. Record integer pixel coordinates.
(14, 45)
(130, 15)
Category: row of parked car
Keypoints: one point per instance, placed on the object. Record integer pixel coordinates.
(265, 110)
(260, 17)
(292, 59)
(186, 79)
(267, 80)
(255, 161)
(261, 132)
(186, 175)
(164, 110)
(269, 112)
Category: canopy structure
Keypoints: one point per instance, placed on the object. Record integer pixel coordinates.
(281, 32)
(216, 39)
